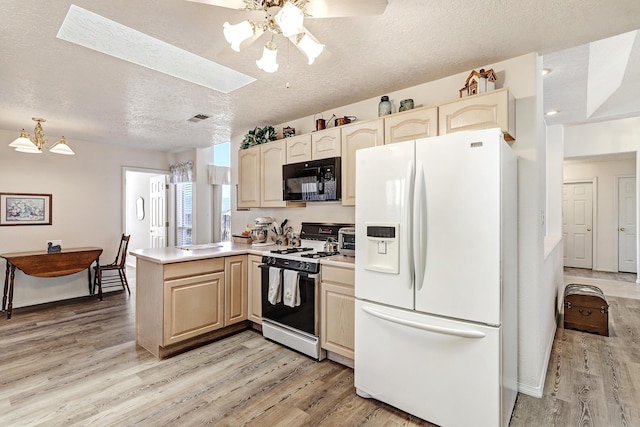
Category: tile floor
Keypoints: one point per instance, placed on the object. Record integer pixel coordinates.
(612, 284)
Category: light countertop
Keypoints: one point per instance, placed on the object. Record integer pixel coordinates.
(339, 261)
(222, 249)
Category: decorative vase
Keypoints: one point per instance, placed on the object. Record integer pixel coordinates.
(384, 108)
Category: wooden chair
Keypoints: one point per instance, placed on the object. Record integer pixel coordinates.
(118, 265)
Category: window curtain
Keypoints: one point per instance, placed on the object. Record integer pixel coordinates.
(219, 175)
(181, 172)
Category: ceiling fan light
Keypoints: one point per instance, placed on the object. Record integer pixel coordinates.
(23, 141)
(61, 147)
(236, 34)
(290, 19)
(310, 47)
(268, 61)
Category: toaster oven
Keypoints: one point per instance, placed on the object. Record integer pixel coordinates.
(347, 241)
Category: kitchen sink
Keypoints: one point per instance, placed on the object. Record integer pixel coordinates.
(196, 247)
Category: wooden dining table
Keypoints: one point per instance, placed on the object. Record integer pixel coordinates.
(46, 264)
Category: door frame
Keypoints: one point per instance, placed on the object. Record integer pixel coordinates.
(125, 207)
(616, 201)
(594, 216)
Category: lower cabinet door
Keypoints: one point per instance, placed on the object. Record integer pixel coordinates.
(254, 288)
(235, 293)
(337, 326)
(193, 306)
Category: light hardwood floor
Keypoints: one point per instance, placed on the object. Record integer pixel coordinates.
(77, 364)
(592, 380)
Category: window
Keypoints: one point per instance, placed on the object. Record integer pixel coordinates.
(222, 200)
(184, 213)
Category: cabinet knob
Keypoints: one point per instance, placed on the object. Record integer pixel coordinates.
(588, 229)
(621, 228)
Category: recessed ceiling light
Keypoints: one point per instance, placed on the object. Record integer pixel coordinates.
(551, 113)
(98, 33)
(546, 71)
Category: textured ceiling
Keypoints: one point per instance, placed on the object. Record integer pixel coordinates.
(87, 95)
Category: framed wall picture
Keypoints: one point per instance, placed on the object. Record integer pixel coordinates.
(25, 209)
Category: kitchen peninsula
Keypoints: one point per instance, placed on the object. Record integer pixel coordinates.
(185, 298)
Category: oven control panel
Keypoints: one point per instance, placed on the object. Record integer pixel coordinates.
(305, 266)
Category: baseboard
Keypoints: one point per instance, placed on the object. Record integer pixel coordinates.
(538, 391)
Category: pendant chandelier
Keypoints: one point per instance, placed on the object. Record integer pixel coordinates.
(34, 145)
(284, 18)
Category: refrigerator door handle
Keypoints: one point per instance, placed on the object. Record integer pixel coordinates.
(419, 237)
(410, 179)
(463, 333)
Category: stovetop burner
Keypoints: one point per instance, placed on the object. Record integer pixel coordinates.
(319, 254)
(290, 250)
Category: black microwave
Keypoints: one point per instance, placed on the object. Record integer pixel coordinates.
(312, 181)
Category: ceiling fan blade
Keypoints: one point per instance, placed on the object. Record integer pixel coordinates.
(341, 8)
(231, 4)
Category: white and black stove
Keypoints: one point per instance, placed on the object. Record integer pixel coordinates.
(298, 327)
(307, 256)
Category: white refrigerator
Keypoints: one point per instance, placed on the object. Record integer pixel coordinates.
(436, 277)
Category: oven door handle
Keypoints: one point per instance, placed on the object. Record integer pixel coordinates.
(302, 273)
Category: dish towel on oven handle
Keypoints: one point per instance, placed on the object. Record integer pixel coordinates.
(291, 287)
(275, 285)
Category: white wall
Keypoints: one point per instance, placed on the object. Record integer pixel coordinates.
(537, 281)
(87, 206)
(604, 138)
(605, 251)
(137, 185)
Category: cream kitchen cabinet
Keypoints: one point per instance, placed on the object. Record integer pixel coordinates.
(326, 143)
(298, 148)
(255, 289)
(314, 146)
(355, 137)
(249, 177)
(260, 175)
(337, 326)
(182, 304)
(193, 299)
(482, 111)
(235, 289)
(410, 125)
(272, 156)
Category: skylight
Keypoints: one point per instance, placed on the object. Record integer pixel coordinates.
(98, 33)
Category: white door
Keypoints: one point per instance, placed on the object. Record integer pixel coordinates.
(457, 225)
(577, 224)
(384, 268)
(158, 211)
(445, 371)
(627, 225)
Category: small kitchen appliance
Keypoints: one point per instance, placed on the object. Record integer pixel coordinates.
(260, 231)
(312, 181)
(347, 241)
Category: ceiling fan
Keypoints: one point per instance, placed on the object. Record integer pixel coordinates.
(286, 18)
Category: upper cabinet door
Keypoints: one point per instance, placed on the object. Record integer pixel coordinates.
(272, 156)
(326, 144)
(249, 177)
(488, 110)
(411, 125)
(298, 148)
(355, 137)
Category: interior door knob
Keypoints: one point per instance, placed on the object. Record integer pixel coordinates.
(621, 228)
